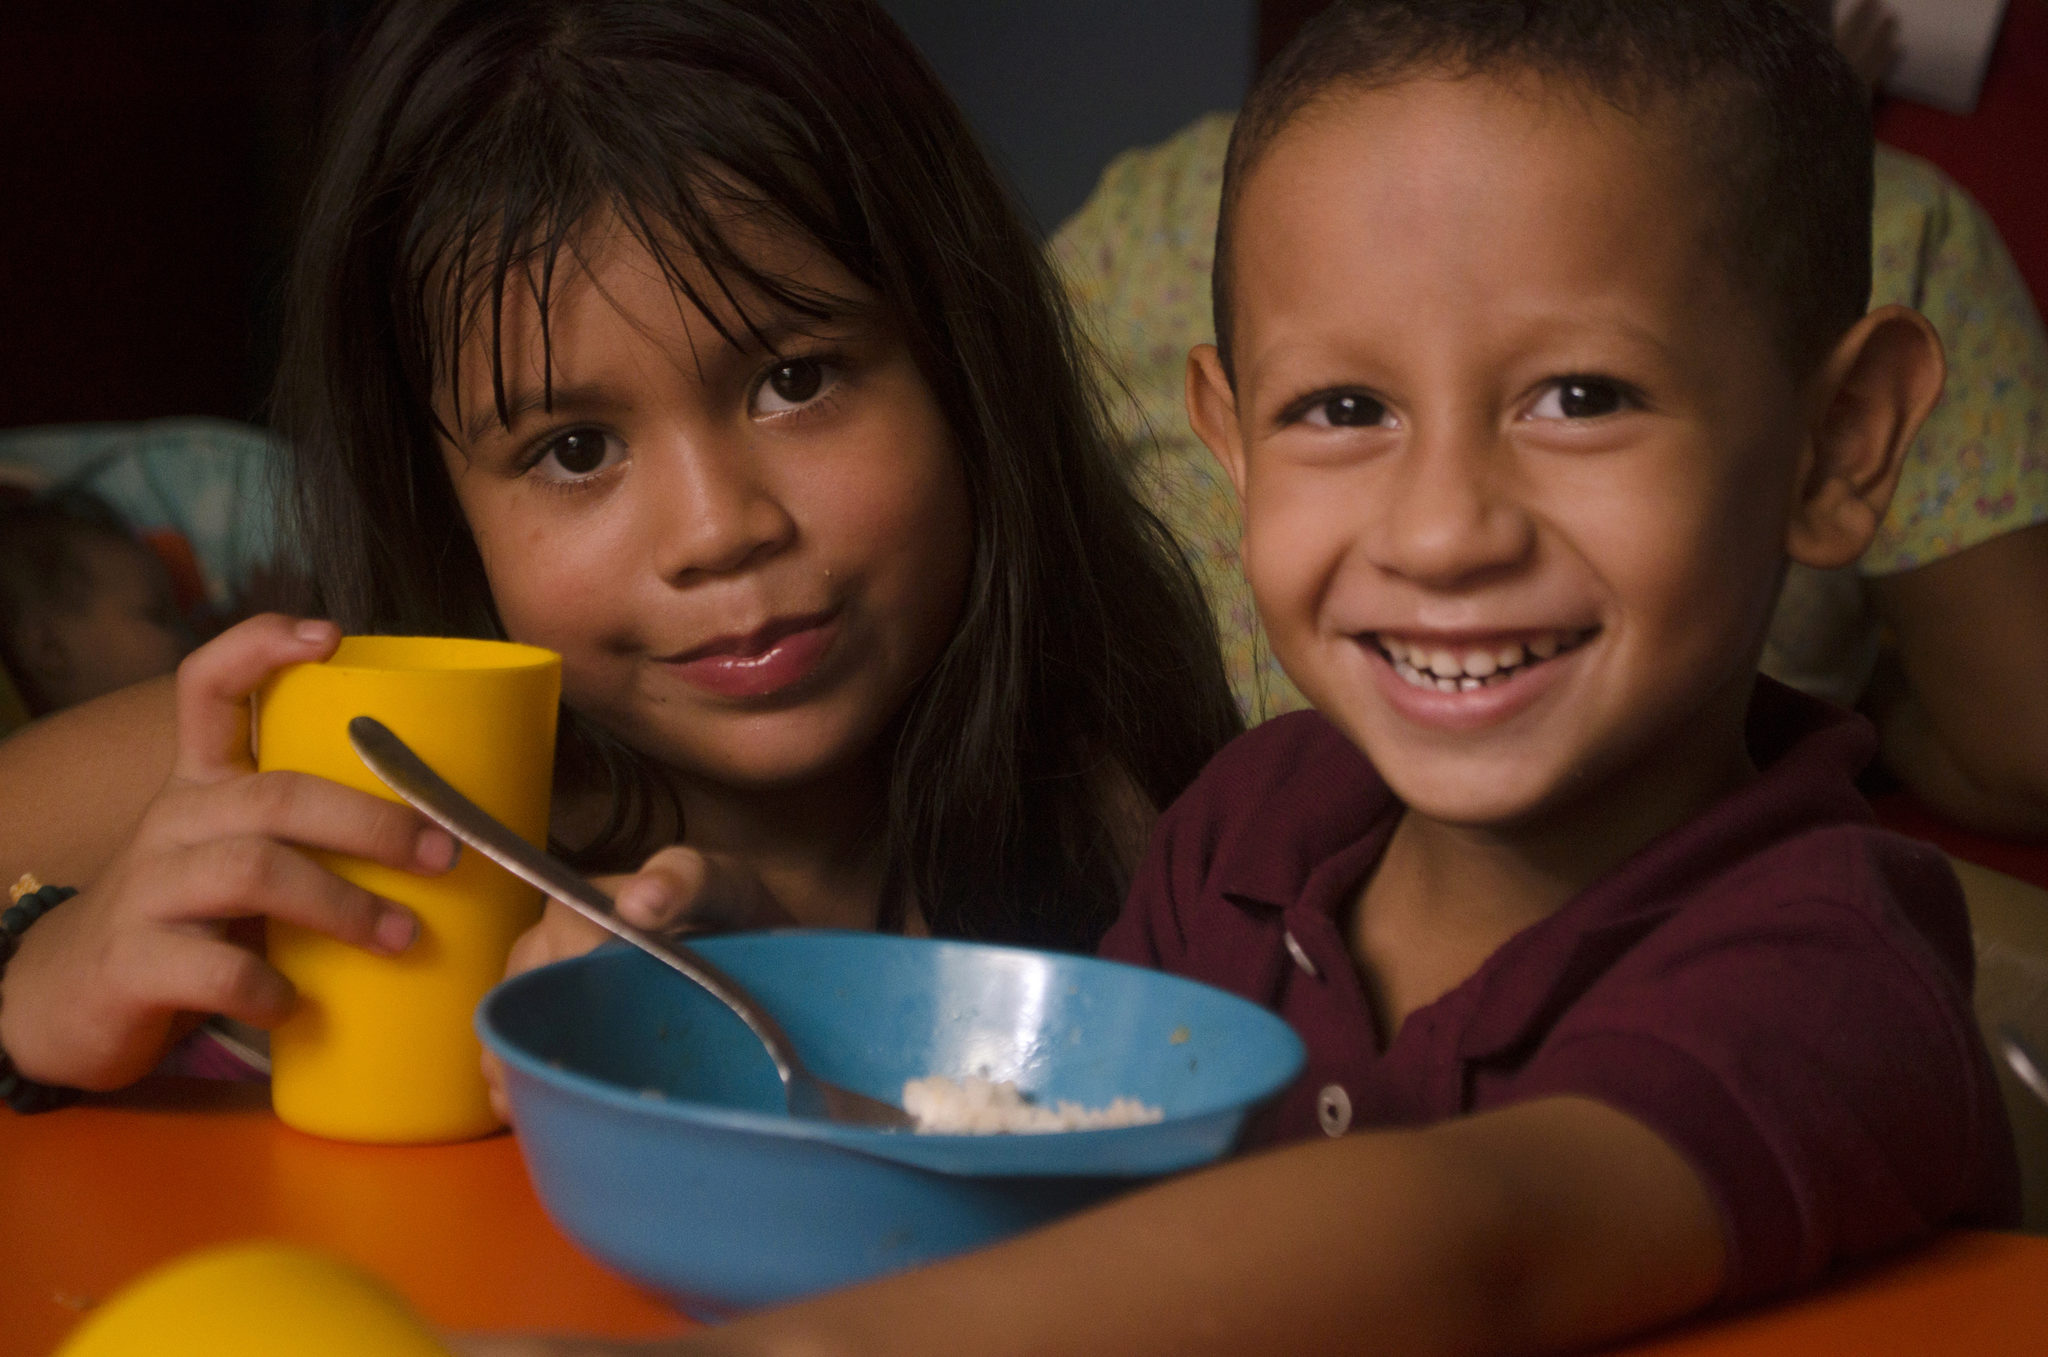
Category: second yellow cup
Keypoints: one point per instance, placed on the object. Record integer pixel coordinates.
(381, 1048)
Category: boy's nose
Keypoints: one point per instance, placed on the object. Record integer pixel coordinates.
(712, 512)
(1449, 515)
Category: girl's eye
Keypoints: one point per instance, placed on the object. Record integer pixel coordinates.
(793, 383)
(574, 454)
(1582, 398)
(1348, 410)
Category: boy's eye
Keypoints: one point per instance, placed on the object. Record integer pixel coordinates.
(1581, 398)
(1347, 410)
(574, 453)
(792, 383)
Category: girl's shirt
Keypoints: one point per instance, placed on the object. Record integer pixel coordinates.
(1778, 988)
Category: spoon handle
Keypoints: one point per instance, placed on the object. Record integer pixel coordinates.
(406, 773)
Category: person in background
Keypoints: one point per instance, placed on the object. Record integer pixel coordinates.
(1866, 32)
(85, 608)
(1939, 632)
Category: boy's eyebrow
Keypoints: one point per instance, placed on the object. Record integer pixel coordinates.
(1590, 323)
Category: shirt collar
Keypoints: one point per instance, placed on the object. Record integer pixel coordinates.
(1808, 754)
(1343, 809)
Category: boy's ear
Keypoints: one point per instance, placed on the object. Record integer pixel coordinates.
(1874, 391)
(1212, 410)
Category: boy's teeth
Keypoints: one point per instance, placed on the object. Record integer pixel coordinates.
(1453, 671)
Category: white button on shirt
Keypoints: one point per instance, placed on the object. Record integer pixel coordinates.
(1333, 1110)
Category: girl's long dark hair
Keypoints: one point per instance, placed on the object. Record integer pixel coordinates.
(472, 141)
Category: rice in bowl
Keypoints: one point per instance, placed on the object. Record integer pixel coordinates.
(974, 1106)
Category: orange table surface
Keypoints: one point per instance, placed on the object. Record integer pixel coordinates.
(93, 1195)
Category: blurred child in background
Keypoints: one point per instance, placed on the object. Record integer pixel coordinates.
(85, 608)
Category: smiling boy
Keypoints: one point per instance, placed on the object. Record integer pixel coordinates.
(1543, 351)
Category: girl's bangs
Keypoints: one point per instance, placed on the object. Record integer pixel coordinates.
(523, 226)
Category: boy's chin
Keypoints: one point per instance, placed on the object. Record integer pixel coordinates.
(1485, 789)
(1485, 807)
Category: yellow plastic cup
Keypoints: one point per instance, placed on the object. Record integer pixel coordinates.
(254, 1300)
(381, 1049)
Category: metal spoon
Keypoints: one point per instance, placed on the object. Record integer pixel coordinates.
(407, 774)
(2022, 1061)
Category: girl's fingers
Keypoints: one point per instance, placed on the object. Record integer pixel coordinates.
(561, 932)
(494, 1084)
(198, 973)
(680, 889)
(251, 875)
(312, 812)
(215, 681)
(660, 897)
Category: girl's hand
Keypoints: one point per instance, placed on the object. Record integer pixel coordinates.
(94, 993)
(677, 891)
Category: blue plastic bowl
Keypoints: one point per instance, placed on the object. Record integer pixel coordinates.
(654, 1129)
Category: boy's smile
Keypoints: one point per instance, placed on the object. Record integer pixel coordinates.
(1516, 452)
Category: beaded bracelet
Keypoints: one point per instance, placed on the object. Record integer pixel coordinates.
(31, 902)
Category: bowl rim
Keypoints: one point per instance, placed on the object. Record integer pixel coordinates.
(895, 1145)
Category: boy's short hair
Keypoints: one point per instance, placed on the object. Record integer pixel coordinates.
(1777, 122)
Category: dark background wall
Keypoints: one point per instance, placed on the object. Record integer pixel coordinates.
(1057, 87)
(152, 153)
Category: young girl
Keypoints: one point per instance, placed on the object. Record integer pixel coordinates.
(693, 339)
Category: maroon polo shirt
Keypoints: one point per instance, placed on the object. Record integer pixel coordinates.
(1778, 988)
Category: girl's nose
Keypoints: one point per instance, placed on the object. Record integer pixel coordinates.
(712, 511)
(1449, 516)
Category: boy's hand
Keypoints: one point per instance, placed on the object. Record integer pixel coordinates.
(93, 994)
(677, 891)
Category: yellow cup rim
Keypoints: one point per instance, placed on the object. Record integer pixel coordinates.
(452, 654)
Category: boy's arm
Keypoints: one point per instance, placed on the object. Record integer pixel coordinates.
(1550, 1224)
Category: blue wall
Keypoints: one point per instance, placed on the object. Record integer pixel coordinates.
(1057, 87)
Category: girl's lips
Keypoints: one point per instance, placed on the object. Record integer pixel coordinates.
(778, 656)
